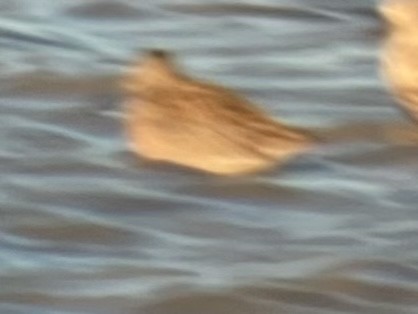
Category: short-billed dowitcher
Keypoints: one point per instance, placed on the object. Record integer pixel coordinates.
(400, 53)
(175, 118)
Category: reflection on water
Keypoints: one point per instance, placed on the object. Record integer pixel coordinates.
(87, 228)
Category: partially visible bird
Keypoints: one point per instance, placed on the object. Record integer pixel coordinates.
(400, 53)
(175, 118)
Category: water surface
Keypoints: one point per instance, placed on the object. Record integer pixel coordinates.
(87, 228)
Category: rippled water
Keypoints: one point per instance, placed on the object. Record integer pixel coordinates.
(86, 228)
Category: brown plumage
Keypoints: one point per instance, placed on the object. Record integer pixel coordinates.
(400, 53)
(172, 117)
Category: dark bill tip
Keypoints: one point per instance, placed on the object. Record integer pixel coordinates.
(158, 53)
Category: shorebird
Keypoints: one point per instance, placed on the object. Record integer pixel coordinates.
(173, 117)
(400, 53)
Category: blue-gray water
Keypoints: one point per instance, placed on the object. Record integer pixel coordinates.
(86, 228)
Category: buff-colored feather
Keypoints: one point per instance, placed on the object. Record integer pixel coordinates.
(172, 117)
(400, 53)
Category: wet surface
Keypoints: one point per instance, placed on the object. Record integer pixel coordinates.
(87, 228)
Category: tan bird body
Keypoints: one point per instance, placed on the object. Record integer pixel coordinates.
(400, 53)
(174, 118)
